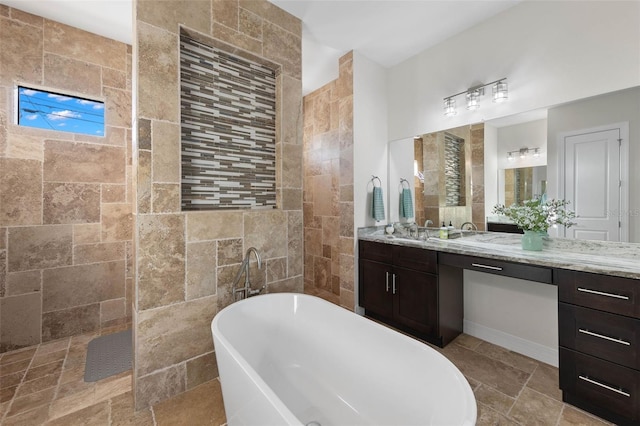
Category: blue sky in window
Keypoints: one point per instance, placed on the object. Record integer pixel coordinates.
(53, 111)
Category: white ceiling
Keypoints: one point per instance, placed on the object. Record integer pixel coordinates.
(385, 31)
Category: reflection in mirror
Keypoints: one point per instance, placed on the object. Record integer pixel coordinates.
(522, 183)
(538, 129)
(445, 164)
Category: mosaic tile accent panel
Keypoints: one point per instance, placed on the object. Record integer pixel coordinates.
(228, 113)
(453, 163)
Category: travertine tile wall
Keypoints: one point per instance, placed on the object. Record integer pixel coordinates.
(328, 186)
(434, 190)
(65, 199)
(186, 260)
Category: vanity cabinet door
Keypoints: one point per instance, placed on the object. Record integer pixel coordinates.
(415, 302)
(375, 287)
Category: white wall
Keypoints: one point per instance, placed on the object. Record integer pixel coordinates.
(550, 52)
(401, 158)
(369, 142)
(524, 135)
(516, 314)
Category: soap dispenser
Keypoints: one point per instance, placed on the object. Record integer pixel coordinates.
(444, 232)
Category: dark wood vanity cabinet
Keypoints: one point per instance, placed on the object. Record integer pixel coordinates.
(599, 336)
(401, 287)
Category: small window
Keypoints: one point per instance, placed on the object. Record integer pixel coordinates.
(56, 111)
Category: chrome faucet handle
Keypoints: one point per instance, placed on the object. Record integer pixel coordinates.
(257, 291)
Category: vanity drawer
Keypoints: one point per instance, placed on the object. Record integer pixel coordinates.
(378, 252)
(604, 335)
(415, 258)
(607, 386)
(498, 267)
(603, 292)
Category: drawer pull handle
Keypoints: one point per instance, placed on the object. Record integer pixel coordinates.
(602, 336)
(602, 385)
(602, 293)
(493, 268)
(387, 282)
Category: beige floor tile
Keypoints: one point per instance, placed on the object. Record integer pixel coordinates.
(18, 355)
(11, 380)
(72, 374)
(489, 417)
(546, 380)
(467, 341)
(111, 388)
(83, 339)
(513, 359)
(493, 399)
(54, 346)
(123, 414)
(14, 367)
(73, 402)
(94, 415)
(37, 416)
(496, 374)
(37, 385)
(7, 394)
(201, 405)
(44, 370)
(473, 383)
(31, 401)
(76, 386)
(574, 417)
(4, 407)
(48, 357)
(534, 408)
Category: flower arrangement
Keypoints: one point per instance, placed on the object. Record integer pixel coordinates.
(536, 215)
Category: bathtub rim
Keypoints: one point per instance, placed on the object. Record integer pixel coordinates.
(273, 397)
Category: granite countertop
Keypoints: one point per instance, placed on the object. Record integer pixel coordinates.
(604, 257)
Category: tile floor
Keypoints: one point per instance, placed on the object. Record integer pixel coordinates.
(43, 385)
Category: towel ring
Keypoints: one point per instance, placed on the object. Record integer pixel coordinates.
(373, 180)
(403, 181)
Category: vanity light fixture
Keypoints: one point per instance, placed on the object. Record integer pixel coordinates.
(449, 107)
(500, 91)
(523, 152)
(473, 95)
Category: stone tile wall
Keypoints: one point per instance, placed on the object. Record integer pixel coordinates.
(65, 199)
(187, 260)
(328, 186)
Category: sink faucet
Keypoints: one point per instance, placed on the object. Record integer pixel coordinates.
(470, 226)
(244, 268)
(427, 223)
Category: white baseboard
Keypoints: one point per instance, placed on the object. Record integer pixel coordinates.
(513, 343)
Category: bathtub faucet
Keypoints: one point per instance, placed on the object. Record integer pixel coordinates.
(244, 268)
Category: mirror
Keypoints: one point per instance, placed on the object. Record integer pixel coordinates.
(521, 183)
(487, 167)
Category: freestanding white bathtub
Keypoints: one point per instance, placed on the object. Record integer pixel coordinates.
(295, 359)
